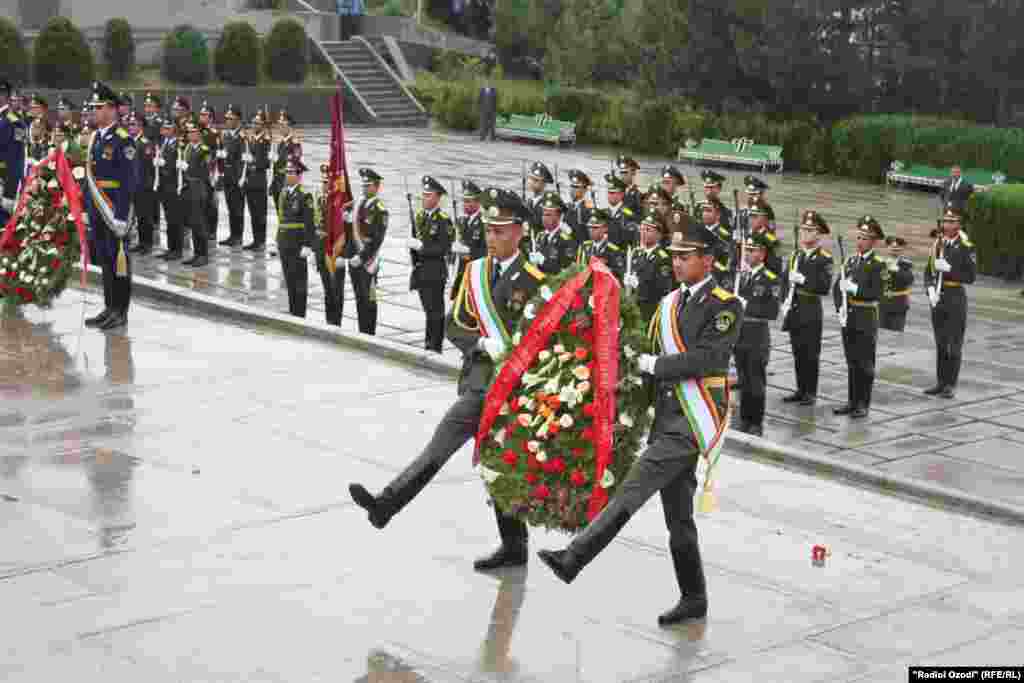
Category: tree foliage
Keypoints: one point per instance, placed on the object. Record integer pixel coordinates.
(14, 66)
(285, 53)
(186, 56)
(239, 54)
(63, 58)
(119, 48)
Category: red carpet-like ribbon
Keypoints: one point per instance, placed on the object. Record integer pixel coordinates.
(606, 366)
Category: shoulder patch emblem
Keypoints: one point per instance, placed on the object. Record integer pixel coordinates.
(966, 242)
(723, 294)
(724, 321)
(662, 253)
(533, 270)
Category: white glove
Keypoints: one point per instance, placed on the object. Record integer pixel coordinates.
(355, 262)
(460, 248)
(246, 158)
(414, 244)
(737, 236)
(340, 262)
(894, 266)
(159, 162)
(495, 348)
(305, 252)
(632, 281)
(942, 265)
(743, 302)
(222, 154)
(849, 286)
(646, 363)
(537, 258)
(8, 205)
(182, 165)
(797, 278)
(120, 228)
(933, 296)
(346, 215)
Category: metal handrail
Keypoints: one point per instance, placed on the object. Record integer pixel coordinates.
(344, 78)
(391, 73)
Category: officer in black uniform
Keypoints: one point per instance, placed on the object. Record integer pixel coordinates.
(719, 239)
(862, 282)
(633, 200)
(194, 161)
(166, 164)
(952, 265)
(536, 185)
(12, 145)
(713, 192)
(231, 165)
(211, 138)
(623, 230)
(151, 107)
(555, 245)
(600, 246)
(258, 139)
(896, 298)
(296, 236)
(672, 181)
(146, 201)
(760, 287)
(577, 213)
(287, 147)
(513, 282)
(430, 244)
(650, 270)
(762, 222)
(369, 227)
(807, 278)
(707, 320)
(472, 242)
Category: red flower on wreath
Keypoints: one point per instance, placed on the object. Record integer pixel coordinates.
(541, 492)
(578, 452)
(554, 428)
(588, 434)
(510, 458)
(577, 302)
(573, 328)
(577, 478)
(55, 264)
(558, 466)
(580, 353)
(589, 409)
(532, 478)
(532, 462)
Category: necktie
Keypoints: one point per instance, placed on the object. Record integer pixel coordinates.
(684, 298)
(495, 274)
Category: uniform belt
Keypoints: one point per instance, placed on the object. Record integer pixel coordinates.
(749, 319)
(291, 226)
(812, 295)
(108, 184)
(861, 303)
(947, 283)
(899, 292)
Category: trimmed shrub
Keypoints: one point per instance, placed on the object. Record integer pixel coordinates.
(14, 67)
(239, 54)
(284, 52)
(62, 56)
(119, 48)
(186, 56)
(995, 222)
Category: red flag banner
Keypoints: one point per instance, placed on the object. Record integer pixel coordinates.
(339, 191)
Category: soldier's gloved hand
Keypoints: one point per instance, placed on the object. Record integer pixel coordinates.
(632, 281)
(119, 228)
(942, 265)
(646, 363)
(894, 266)
(933, 296)
(305, 253)
(797, 277)
(356, 262)
(222, 154)
(537, 258)
(849, 286)
(340, 262)
(495, 348)
(159, 162)
(246, 158)
(182, 165)
(414, 244)
(8, 205)
(460, 248)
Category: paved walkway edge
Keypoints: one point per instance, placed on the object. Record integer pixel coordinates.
(738, 444)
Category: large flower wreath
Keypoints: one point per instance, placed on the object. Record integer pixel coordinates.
(43, 239)
(566, 413)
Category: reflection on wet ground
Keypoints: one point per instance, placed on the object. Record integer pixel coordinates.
(173, 508)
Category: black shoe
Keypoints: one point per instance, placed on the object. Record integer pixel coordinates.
(755, 430)
(742, 427)
(114, 321)
(255, 246)
(230, 242)
(689, 607)
(144, 250)
(561, 563)
(844, 409)
(808, 400)
(170, 256)
(934, 391)
(364, 499)
(199, 262)
(98, 320)
(507, 555)
(189, 262)
(795, 397)
(859, 413)
(947, 392)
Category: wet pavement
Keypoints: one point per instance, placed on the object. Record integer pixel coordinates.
(971, 443)
(173, 508)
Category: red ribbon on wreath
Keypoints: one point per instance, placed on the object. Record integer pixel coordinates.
(606, 366)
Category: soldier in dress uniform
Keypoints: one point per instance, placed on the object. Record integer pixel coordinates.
(65, 115)
(809, 276)
(339, 249)
(536, 185)
(762, 222)
(482, 342)
(166, 164)
(287, 147)
(705, 319)
(713, 192)
(38, 143)
(211, 138)
(952, 265)
(152, 105)
(719, 239)
(599, 245)
(650, 270)
(369, 227)
(125, 106)
(110, 180)
(896, 298)
(760, 288)
(194, 161)
(296, 236)
(146, 202)
(577, 213)
(180, 111)
(627, 168)
(623, 230)
(231, 167)
(430, 244)
(472, 242)
(672, 181)
(259, 142)
(12, 141)
(862, 281)
(555, 245)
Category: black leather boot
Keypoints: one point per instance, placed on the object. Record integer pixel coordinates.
(513, 549)
(395, 495)
(566, 564)
(690, 574)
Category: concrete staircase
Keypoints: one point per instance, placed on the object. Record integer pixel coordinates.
(376, 87)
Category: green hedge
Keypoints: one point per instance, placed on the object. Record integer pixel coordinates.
(119, 48)
(14, 66)
(186, 56)
(62, 56)
(995, 222)
(239, 54)
(284, 52)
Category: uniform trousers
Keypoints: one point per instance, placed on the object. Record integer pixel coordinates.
(235, 198)
(256, 198)
(432, 299)
(295, 270)
(859, 339)
(334, 290)
(172, 206)
(197, 196)
(147, 209)
(752, 374)
(805, 341)
(364, 284)
(949, 322)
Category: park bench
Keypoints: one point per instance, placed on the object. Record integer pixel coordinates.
(539, 127)
(737, 152)
(919, 175)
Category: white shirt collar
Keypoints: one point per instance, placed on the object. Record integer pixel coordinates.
(507, 263)
(695, 288)
(756, 269)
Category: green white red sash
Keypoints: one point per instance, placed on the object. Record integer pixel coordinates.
(479, 281)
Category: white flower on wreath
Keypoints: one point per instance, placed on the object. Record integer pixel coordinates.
(581, 372)
(583, 387)
(488, 475)
(566, 421)
(504, 409)
(44, 283)
(607, 479)
(542, 433)
(546, 293)
(625, 420)
(559, 349)
(551, 387)
(529, 404)
(590, 302)
(564, 357)
(499, 436)
(533, 446)
(636, 380)
(530, 312)
(544, 356)
(52, 185)
(517, 338)
(569, 396)
(523, 419)
(542, 456)
(629, 352)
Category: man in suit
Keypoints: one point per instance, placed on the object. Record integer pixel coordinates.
(702, 323)
(483, 341)
(956, 190)
(488, 110)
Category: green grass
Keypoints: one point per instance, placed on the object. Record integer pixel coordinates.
(150, 78)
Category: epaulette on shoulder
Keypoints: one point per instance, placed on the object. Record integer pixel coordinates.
(204, 148)
(566, 232)
(770, 275)
(443, 215)
(534, 271)
(720, 266)
(12, 117)
(876, 258)
(826, 253)
(966, 242)
(613, 246)
(662, 253)
(723, 294)
(770, 236)
(121, 133)
(626, 211)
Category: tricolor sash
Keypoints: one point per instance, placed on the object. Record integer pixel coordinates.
(482, 303)
(104, 206)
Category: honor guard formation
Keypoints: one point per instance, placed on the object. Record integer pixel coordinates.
(136, 166)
